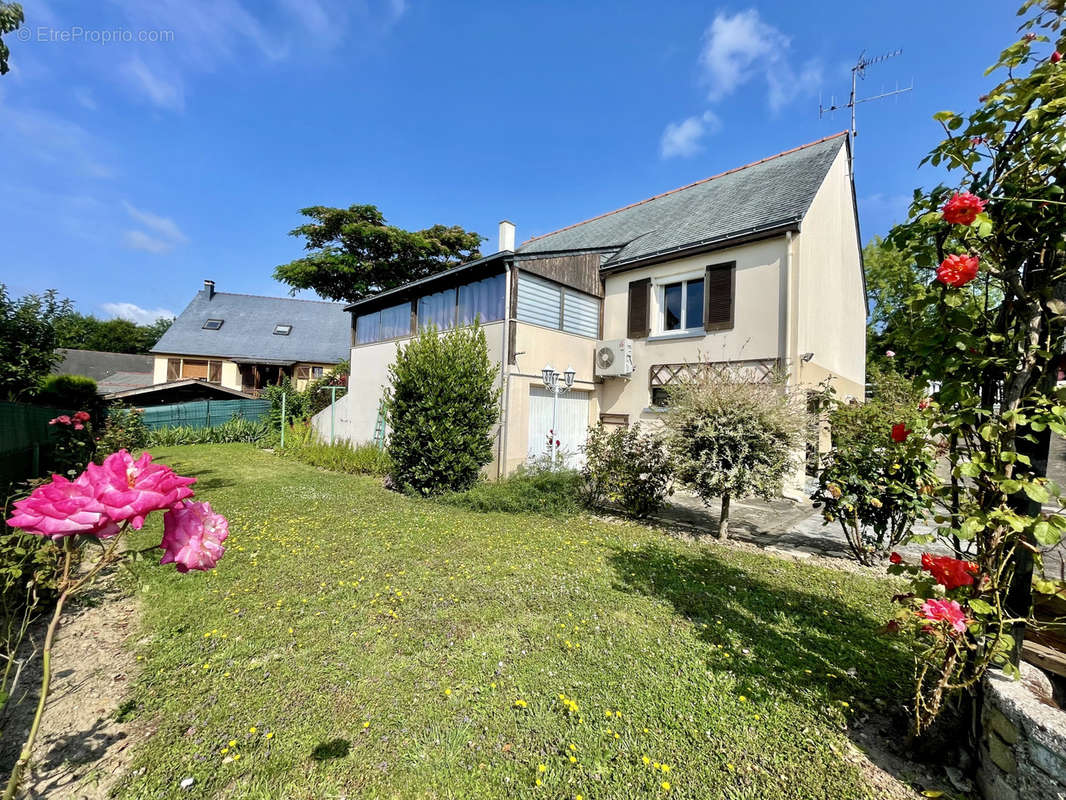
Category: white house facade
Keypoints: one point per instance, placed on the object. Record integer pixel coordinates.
(759, 267)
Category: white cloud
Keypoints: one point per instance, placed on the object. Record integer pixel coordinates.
(161, 92)
(134, 313)
(685, 138)
(165, 234)
(742, 48)
(53, 140)
(85, 98)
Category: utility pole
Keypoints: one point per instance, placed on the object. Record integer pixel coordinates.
(859, 71)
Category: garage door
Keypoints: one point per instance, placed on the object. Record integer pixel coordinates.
(571, 424)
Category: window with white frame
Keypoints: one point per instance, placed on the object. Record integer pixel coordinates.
(681, 305)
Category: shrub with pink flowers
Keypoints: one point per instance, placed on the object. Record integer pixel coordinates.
(94, 510)
(75, 444)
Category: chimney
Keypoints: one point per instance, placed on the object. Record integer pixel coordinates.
(209, 287)
(506, 235)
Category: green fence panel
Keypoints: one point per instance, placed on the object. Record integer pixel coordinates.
(204, 413)
(26, 440)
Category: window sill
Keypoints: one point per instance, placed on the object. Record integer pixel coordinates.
(655, 410)
(669, 337)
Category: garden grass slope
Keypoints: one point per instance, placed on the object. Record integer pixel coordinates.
(356, 642)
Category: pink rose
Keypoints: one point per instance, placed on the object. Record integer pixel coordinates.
(63, 508)
(78, 426)
(63, 419)
(132, 489)
(192, 536)
(82, 416)
(948, 611)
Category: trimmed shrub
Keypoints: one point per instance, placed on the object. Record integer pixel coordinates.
(628, 468)
(730, 436)
(442, 405)
(540, 491)
(77, 392)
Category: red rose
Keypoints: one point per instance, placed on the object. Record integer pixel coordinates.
(896, 558)
(1056, 57)
(81, 416)
(951, 573)
(963, 208)
(900, 432)
(957, 270)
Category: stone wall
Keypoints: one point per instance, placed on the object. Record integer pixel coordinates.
(1023, 741)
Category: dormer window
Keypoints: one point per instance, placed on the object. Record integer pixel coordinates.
(282, 330)
(212, 325)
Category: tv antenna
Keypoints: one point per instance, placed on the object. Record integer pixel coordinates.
(859, 71)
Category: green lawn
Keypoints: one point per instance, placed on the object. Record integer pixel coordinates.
(358, 643)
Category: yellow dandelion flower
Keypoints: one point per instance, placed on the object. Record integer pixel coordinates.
(742, 699)
(224, 750)
(237, 757)
(366, 725)
(542, 768)
(664, 767)
(448, 691)
(232, 742)
(666, 786)
(646, 760)
(573, 759)
(251, 729)
(269, 735)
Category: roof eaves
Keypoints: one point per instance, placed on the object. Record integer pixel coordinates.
(430, 278)
(703, 245)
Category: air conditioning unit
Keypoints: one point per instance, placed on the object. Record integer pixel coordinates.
(614, 358)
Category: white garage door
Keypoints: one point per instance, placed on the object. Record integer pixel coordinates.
(571, 424)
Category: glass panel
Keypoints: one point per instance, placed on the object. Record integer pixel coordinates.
(482, 300)
(368, 328)
(396, 321)
(173, 369)
(672, 307)
(694, 304)
(437, 310)
(215, 370)
(316, 372)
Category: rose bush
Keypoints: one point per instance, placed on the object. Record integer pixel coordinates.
(97, 507)
(989, 330)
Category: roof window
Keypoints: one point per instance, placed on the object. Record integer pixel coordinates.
(212, 325)
(282, 330)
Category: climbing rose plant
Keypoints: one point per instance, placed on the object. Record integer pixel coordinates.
(989, 328)
(96, 509)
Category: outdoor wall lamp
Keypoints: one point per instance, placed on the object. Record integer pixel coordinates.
(551, 382)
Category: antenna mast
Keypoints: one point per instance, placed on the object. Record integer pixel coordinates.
(859, 71)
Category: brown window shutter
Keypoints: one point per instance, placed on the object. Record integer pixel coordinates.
(173, 369)
(718, 296)
(639, 318)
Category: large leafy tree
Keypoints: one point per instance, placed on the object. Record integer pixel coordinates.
(353, 253)
(11, 17)
(86, 332)
(28, 341)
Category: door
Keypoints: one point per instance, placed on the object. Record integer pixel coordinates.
(571, 424)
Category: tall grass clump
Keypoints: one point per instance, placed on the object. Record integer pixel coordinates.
(541, 491)
(363, 459)
(233, 430)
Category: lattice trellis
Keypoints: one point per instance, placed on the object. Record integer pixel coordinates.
(756, 370)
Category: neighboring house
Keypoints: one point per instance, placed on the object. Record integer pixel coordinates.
(246, 342)
(185, 390)
(112, 372)
(759, 267)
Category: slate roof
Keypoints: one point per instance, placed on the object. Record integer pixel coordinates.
(122, 381)
(769, 193)
(99, 365)
(321, 331)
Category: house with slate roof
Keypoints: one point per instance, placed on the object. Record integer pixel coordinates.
(245, 343)
(758, 268)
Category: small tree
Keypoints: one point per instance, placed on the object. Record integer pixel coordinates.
(442, 404)
(28, 341)
(733, 437)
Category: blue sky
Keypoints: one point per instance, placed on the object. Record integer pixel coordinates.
(182, 149)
